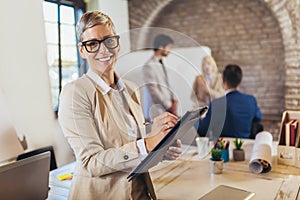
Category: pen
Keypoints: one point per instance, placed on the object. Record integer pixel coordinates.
(150, 123)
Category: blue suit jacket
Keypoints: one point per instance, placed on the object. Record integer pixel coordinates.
(230, 116)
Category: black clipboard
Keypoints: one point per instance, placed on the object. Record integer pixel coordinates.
(156, 155)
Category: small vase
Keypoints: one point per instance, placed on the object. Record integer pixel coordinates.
(216, 167)
(238, 154)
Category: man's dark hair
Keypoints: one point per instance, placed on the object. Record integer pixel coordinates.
(232, 75)
(161, 41)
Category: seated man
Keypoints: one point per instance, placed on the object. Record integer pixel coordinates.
(233, 114)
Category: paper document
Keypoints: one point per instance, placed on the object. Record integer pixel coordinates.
(261, 156)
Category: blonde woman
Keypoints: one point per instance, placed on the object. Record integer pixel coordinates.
(208, 85)
(101, 116)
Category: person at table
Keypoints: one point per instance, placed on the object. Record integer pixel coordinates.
(233, 114)
(101, 117)
(208, 85)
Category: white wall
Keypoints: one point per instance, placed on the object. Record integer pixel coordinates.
(118, 12)
(183, 65)
(24, 79)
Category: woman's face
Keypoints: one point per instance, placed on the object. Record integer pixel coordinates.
(104, 60)
(207, 67)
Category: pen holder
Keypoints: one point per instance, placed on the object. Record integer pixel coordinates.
(225, 155)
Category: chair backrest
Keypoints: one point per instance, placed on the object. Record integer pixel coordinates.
(53, 164)
(26, 179)
(256, 128)
(10, 146)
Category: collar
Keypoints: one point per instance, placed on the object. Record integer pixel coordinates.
(157, 59)
(210, 76)
(230, 90)
(101, 83)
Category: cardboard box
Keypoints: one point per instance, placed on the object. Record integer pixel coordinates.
(288, 155)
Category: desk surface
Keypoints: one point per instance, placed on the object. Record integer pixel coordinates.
(189, 178)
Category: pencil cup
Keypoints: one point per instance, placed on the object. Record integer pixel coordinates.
(225, 155)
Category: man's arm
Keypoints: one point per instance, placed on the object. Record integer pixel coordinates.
(258, 115)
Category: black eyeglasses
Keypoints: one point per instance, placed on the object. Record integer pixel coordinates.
(92, 46)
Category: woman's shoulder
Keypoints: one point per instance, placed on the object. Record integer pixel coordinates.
(199, 78)
(83, 83)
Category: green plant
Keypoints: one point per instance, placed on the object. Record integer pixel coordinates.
(238, 143)
(216, 154)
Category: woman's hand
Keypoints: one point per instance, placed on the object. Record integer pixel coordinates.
(174, 151)
(162, 124)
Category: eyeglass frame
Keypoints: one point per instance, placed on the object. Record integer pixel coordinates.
(100, 41)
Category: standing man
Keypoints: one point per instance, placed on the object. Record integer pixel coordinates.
(158, 94)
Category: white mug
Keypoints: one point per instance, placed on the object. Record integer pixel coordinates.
(202, 146)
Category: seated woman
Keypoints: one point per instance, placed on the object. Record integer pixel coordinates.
(207, 86)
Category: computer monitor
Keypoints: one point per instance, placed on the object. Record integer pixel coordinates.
(26, 179)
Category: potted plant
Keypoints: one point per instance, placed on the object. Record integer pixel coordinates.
(216, 162)
(224, 146)
(238, 152)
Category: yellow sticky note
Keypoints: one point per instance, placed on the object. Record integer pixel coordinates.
(65, 177)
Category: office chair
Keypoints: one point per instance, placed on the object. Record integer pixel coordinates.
(256, 128)
(53, 164)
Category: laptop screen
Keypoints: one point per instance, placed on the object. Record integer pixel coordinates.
(26, 179)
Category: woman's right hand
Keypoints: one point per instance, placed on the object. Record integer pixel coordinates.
(162, 124)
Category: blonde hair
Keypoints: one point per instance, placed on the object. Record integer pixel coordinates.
(91, 19)
(211, 61)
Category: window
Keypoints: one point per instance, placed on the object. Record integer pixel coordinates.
(60, 18)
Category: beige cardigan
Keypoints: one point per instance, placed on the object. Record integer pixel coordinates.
(102, 147)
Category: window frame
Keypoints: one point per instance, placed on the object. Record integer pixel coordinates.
(78, 6)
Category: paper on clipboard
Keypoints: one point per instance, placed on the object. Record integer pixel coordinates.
(156, 155)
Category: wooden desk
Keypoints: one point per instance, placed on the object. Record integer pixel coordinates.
(190, 178)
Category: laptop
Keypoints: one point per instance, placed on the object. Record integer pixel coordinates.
(226, 192)
(26, 179)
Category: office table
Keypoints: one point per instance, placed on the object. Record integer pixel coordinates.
(189, 178)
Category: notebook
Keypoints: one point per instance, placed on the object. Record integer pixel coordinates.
(26, 179)
(222, 192)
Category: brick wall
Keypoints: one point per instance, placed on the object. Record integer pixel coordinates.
(262, 36)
